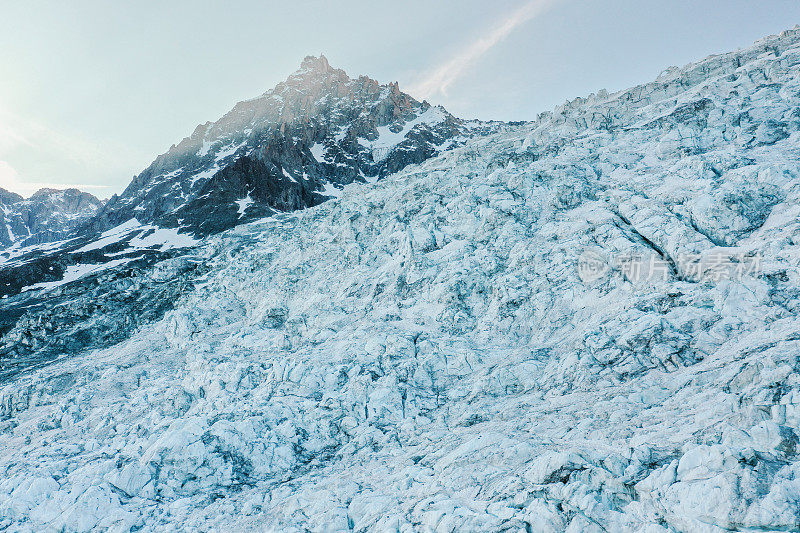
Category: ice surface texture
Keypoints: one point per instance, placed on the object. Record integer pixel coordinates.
(421, 354)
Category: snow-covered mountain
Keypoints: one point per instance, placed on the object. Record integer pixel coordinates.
(291, 148)
(286, 149)
(585, 323)
(48, 215)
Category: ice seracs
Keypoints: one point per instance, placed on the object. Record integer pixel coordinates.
(421, 354)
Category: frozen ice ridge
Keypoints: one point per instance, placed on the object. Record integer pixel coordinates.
(421, 353)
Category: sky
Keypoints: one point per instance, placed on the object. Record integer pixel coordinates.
(92, 91)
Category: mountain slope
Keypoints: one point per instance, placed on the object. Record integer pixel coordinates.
(48, 215)
(276, 152)
(286, 150)
(466, 345)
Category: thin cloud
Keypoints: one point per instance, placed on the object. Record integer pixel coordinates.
(16, 130)
(10, 138)
(8, 177)
(438, 81)
(23, 138)
(10, 180)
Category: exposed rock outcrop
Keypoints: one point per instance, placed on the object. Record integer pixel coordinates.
(48, 215)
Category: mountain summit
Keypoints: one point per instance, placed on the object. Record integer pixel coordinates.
(284, 150)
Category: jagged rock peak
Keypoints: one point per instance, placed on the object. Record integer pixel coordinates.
(9, 197)
(46, 215)
(71, 192)
(319, 125)
(314, 63)
(314, 73)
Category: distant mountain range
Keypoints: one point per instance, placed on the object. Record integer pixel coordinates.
(48, 215)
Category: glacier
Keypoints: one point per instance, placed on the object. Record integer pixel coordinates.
(422, 354)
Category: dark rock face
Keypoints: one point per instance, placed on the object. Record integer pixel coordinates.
(319, 126)
(260, 189)
(279, 152)
(8, 197)
(48, 215)
(37, 269)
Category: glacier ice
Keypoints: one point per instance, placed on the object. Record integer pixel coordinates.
(420, 353)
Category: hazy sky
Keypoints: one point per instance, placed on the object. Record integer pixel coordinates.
(92, 91)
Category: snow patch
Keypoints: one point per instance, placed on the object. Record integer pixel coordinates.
(286, 174)
(112, 236)
(387, 139)
(76, 272)
(318, 151)
(166, 238)
(243, 204)
(329, 190)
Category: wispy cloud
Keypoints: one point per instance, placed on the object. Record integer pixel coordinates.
(16, 130)
(60, 154)
(10, 180)
(9, 137)
(438, 80)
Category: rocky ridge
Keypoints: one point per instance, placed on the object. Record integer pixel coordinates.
(285, 150)
(48, 215)
(426, 352)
